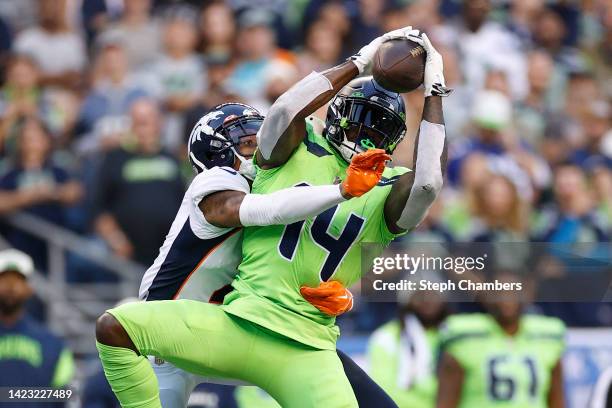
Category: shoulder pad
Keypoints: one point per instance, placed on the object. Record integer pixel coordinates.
(539, 326)
(316, 124)
(464, 326)
(391, 174)
(314, 141)
(217, 179)
(218, 171)
(395, 171)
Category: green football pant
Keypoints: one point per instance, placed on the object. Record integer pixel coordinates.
(205, 340)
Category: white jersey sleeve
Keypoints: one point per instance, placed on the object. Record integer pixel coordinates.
(206, 183)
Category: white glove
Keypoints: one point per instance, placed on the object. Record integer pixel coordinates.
(434, 68)
(366, 54)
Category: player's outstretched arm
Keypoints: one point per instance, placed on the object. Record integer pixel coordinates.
(284, 128)
(232, 208)
(414, 192)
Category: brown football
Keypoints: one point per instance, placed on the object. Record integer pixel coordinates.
(399, 65)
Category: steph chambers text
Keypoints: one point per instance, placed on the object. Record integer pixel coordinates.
(445, 286)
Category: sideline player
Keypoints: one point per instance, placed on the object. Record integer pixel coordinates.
(199, 258)
(504, 358)
(266, 333)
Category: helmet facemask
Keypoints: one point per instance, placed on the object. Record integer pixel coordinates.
(226, 139)
(236, 131)
(360, 124)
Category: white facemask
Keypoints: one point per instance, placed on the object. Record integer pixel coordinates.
(349, 149)
(247, 168)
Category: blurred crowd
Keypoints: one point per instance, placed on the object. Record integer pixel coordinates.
(98, 97)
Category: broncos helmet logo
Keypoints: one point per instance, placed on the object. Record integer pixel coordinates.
(203, 127)
(196, 134)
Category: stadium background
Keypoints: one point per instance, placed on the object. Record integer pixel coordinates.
(528, 127)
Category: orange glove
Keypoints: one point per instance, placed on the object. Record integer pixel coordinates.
(330, 297)
(364, 172)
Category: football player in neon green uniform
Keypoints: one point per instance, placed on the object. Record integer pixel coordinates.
(502, 359)
(266, 333)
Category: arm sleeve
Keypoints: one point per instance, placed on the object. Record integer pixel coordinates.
(428, 175)
(286, 108)
(204, 184)
(288, 205)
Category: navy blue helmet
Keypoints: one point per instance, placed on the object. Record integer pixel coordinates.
(364, 115)
(214, 138)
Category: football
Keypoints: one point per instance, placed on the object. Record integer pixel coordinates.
(399, 65)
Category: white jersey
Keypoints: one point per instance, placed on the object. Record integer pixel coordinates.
(197, 258)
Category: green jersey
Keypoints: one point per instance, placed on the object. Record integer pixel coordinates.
(503, 371)
(278, 259)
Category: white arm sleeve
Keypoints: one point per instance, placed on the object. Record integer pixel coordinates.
(428, 175)
(288, 205)
(286, 107)
(204, 184)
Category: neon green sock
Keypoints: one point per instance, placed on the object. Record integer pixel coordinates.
(130, 376)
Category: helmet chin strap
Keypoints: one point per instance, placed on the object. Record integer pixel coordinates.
(247, 168)
(346, 148)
